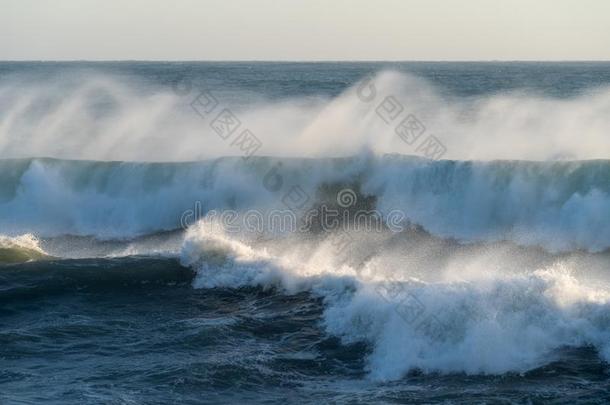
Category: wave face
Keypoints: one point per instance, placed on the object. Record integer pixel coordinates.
(421, 305)
(560, 206)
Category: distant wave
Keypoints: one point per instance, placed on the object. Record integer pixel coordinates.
(560, 206)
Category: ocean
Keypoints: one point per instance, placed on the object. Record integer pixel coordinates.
(257, 232)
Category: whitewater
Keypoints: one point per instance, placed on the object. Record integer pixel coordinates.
(490, 261)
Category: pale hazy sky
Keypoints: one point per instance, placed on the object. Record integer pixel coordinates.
(305, 29)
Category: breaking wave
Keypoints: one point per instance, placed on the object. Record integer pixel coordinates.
(560, 206)
(20, 249)
(470, 317)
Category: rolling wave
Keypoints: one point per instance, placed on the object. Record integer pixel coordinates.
(560, 206)
(468, 316)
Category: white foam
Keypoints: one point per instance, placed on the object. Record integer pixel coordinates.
(560, 206)
(483, 320)
(26, 241)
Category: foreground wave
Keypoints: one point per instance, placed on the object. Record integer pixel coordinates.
(417, 313)
(138, 331)
(394, 308)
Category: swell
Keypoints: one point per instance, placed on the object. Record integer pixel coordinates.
(560, 206)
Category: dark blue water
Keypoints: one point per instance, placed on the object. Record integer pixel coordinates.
(134, 330)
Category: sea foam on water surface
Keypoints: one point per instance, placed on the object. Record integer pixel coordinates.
(477, 321)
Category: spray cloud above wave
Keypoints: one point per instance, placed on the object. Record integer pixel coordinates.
(103, 117)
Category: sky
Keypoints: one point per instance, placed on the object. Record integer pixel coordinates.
(305, 30)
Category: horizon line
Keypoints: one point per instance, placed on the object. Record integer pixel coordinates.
(317, 60)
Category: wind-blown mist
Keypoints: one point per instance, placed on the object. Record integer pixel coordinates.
(108, 118)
